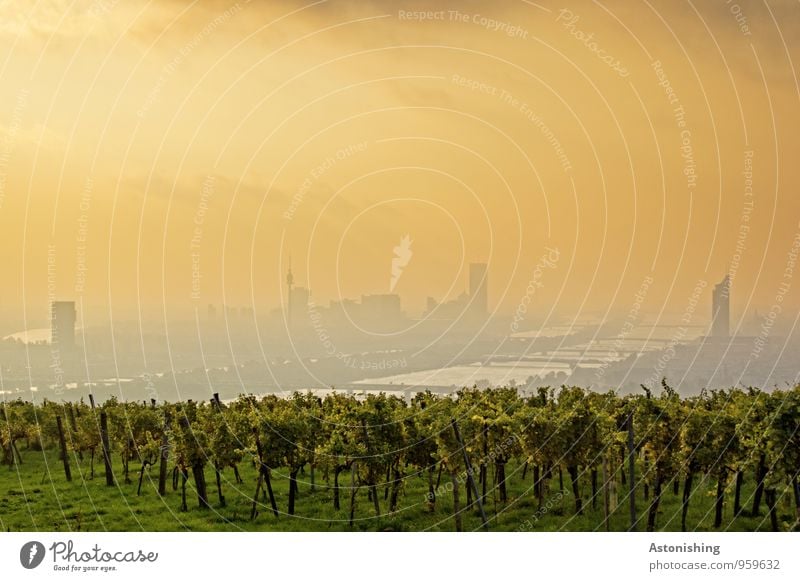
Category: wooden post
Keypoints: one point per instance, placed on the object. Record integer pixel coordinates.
(470, 479)
(72, 421)
(631, 472)
(198, 472)
(64, 453)
(796, 489)
(106, 448)
(74, 425)
(91, 400)
(164, 457)
(263, 474)
(268, 483)
(353, 491)
(606, 499)
(254, 508)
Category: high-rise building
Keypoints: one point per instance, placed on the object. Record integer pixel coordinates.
(290, 288)
(296, 299)
(62, 325)
(721, 309)
(478, 283)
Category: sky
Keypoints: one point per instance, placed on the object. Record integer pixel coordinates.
(157, 156)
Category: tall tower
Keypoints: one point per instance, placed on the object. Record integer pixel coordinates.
(62, 325)
(290, 287)
(479, 296)
(721, 308)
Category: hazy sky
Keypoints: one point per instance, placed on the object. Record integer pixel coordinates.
(145, 143)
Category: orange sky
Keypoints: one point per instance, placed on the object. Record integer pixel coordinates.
(330, 130)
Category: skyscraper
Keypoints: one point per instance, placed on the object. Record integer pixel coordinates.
(62, 325)
(478, 282)
(720, 308)
(290, 288)
(296, 300)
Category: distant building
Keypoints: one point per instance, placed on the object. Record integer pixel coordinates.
(447, 310)
(720, 309)
(478, 291)
(383, 307)
(62, 325)
(430, 304)
(297, 299)
(474, 304)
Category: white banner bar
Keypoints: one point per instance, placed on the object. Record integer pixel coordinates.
(387, 556)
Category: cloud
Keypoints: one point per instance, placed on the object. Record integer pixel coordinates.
(48, 18)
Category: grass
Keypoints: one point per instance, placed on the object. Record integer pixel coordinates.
(35, 496)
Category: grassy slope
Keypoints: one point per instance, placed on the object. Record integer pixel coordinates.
(37, 497)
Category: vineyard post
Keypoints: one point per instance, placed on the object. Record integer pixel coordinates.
(164, 456)
(197, 466)
(353, 491)
(631, 473)
(254, 507)
(268, 482)
(263, 476)
(91, 400)
(74, 425)
(470, 479)
(64, 453)
(72, 421)
(5, 419)
(606, 499)
(106, 448)
(769, 497)
(8, 453)
(484, 467)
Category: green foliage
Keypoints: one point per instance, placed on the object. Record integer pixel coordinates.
(386, 444)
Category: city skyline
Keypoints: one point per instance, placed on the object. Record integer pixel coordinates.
(660, 166)
(299, 301)
(300, 309)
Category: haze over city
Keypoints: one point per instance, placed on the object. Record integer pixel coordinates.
(396, 195)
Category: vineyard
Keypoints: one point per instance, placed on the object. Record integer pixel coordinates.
(495, 459)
